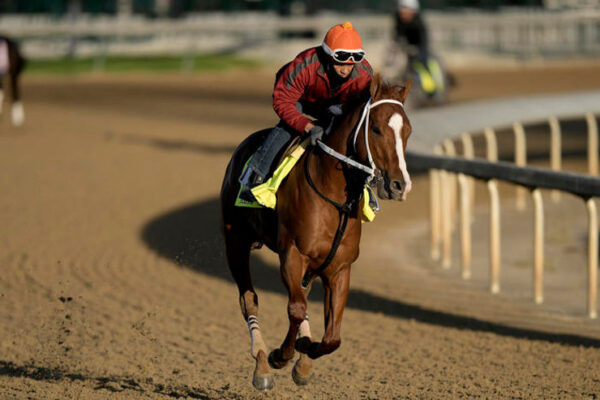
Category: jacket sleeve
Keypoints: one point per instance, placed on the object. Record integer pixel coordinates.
(290, 84)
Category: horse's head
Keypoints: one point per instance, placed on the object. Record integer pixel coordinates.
(388, 131)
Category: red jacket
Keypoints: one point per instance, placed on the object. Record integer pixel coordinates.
(304, 80)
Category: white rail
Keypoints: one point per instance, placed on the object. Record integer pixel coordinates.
(441, 216)
(524, 34)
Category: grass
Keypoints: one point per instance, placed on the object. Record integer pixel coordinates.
(135, 64)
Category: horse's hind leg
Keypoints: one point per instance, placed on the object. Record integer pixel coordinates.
(238, 254)
(1, 92)
(18, 113)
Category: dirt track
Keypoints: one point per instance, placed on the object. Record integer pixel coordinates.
(113, 282)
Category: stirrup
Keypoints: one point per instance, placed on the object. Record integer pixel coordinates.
(373, 202)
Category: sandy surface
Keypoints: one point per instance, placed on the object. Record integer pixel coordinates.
(113, 282)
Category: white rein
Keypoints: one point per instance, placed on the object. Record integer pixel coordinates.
(363, 119)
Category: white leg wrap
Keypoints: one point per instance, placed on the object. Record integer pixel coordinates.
(256, 340)
(18, 113)
(304, 328)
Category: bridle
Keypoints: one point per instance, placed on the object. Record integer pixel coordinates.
(346, 208)
(364, 118)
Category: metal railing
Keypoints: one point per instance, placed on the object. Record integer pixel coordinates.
(443, 170)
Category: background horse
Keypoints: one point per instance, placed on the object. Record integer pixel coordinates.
(310, 208)
(11, 66)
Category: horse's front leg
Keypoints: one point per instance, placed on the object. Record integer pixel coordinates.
(293, 265)
(301, 373)
(336, 295)
(18, 113)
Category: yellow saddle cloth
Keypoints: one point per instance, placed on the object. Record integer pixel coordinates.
(266, 193)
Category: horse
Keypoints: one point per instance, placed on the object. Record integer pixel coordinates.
(318, 204)
(11, 66)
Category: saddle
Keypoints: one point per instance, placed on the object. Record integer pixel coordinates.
(266, 193)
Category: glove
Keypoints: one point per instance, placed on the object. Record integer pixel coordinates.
(316, 133)
(335, 110)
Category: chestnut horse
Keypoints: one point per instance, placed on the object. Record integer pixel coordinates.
(11, 66)
(317, 225)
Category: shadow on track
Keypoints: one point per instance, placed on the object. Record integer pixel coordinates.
(171, 144)
(191, 236)
(114, 384)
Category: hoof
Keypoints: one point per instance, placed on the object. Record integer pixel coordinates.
(303, 344)
(301, 372)
(263, 383)
(306, 346)
(275, 359)
(263, 379)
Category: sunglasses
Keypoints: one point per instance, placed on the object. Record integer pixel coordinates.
(345, 56)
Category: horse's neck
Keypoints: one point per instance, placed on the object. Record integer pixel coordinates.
(330, 174)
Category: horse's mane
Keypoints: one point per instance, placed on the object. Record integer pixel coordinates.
(384, 88)
(379, 88)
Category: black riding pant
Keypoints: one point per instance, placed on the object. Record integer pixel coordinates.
(281, 135)
(265, 155)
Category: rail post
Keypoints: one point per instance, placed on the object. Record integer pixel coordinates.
(446, 221)
(555, 151)
(492, 155)
(592, 258)
(465, 225)
(469, 154)
(538, 245)
(494, 236)
(450, 151)
(491, 144)
(521, 161)
(435, 208)
(592, 146)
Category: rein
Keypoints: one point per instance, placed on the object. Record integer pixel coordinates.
(363, 118)
(346, 208)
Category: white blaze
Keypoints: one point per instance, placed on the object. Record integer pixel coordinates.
(396, 123)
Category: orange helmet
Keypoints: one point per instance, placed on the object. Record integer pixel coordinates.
(342, 42)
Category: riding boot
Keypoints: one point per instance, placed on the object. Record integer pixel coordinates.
(249, 180)
(373, 203)
(261, 161)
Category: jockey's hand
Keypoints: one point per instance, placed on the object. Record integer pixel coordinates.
(335, 110)
(316, 133)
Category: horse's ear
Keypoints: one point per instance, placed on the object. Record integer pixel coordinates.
(375, 86)
(403, 93)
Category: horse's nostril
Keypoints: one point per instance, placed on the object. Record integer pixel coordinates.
(397, 185)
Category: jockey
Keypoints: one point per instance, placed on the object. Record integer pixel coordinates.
(409, 26)
(318, 78)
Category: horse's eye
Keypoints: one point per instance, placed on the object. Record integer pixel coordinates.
(376, 130)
